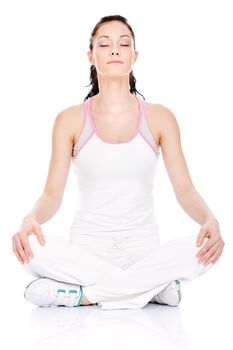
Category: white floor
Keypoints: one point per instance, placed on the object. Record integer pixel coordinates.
(203, 320)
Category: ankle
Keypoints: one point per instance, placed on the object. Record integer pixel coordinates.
(85, 301)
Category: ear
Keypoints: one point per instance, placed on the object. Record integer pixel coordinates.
(135, 56)
(90, 58)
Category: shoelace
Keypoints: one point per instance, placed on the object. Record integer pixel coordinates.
(72, 299)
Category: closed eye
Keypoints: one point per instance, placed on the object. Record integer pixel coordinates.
(108, 45)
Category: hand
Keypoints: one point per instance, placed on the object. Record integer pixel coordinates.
(213, 248)
(20, 243)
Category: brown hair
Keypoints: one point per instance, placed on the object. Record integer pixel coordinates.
(93, 73)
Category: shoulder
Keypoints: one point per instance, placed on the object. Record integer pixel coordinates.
(161, 119)
(70, 113)
(71, 118)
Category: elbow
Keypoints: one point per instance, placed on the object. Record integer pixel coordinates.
(181, 192)
(54, 197)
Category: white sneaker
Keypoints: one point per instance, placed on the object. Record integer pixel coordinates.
(48, 292)
(171, 295)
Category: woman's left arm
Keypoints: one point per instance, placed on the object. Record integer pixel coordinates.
(195, 206)
(186, 194)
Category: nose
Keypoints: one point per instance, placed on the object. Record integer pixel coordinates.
(114, 51)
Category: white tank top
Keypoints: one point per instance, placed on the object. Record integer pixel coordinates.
(115, 181)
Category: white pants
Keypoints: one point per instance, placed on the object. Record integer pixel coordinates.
(123, 273)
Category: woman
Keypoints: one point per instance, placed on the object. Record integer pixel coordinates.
(113, 257)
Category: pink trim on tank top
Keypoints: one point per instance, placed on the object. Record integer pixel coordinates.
(87, 109)
(157, 152)
(88, 106)
(83, 125)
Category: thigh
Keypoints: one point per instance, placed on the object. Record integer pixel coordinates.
(175, 258)
(65, 261)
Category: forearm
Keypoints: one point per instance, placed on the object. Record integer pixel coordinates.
(44, 209)
(195, 206)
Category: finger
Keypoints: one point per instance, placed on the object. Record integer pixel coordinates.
(202, 250)
(206, 247)
(201, 236)
(26, 247)
(209, 252)
(40, 236)
(213, 257)
(20, 250)
(16, 253)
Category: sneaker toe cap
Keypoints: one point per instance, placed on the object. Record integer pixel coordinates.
(38, 293)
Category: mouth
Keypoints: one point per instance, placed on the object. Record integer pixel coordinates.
(115, 61)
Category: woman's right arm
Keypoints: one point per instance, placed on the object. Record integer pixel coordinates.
(49, 202)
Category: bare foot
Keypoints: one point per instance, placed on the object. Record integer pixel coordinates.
(85, 301)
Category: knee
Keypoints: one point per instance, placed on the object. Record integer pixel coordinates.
(38, 251)
(195, 238)
(203, 268)
(35, 245)
(33, 242)
(42, 253)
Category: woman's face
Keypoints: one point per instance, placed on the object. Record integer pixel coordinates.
(113, 41)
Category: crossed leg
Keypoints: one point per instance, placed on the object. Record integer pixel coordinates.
(135, 286)
(109, 286)
(65, 262)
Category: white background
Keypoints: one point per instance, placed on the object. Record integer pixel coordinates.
(185, 63)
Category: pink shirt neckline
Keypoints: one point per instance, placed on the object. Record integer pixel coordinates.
(131, 138)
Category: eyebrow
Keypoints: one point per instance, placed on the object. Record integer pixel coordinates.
(106, 36)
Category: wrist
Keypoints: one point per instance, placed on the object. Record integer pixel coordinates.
(211, 219)
(29, 217)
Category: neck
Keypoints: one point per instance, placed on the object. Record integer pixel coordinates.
(114, 96)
